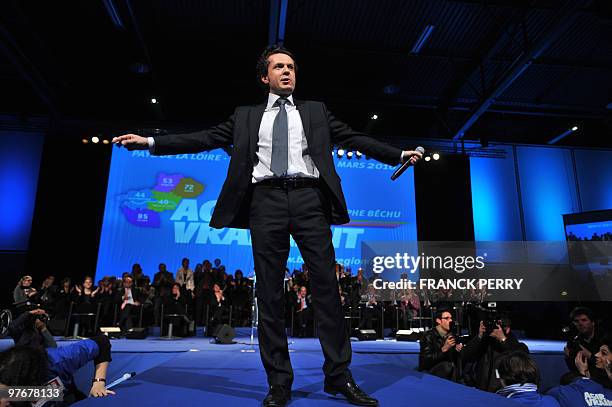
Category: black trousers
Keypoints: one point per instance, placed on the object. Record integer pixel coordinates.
(303, 213)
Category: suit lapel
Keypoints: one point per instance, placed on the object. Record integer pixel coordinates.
(255, 116)
(305, 116)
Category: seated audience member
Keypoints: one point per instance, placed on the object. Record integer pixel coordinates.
(582, 390)
(485, 351)
(439, 353)
(64, 297)
(587, 341)
(303, 311)
(148, 300)
(218, 309)
(410, 304)
(176, 303)
(129, 299)
(370, 308)
(26, 366)
(106, 297)
(47, 294)
(29, 329)
(520, 377)
(24, 291)
(344, 300)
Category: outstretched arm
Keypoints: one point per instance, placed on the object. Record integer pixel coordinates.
(350, 139)
(215, 137)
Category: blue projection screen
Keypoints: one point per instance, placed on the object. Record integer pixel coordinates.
(158, 210)
(20, 154)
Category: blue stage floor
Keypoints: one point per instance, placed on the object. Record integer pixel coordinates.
(193, 371)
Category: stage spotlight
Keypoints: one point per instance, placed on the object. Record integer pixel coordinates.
(358, 154)
(105, 141)
(95, 139)
(85, 141)
(428, 158)
(436, 156)
(563, 135)
(154, 101)
(349, 154)
(374, 117)
(340, 153)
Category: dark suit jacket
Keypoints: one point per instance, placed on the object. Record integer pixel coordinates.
(136, 295)
(322, 131)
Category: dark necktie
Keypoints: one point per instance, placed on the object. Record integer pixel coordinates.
(280, 140)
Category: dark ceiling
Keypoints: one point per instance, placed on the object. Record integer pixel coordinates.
(521, 71)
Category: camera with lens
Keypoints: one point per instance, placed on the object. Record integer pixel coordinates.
(42, 317)
(572, 337)
(455, 332)
(492, 322)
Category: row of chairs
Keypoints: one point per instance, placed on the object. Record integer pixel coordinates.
(234, 316)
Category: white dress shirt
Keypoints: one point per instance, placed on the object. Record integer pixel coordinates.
(300, 163)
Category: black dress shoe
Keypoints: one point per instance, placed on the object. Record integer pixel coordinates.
(278, 396)
(352, 392)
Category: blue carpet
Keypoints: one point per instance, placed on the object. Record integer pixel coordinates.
(193, 371)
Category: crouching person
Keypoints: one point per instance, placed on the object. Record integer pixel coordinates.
(28, 366)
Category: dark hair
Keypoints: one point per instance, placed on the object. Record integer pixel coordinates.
(440, 311)
(176, 284)
(582, 311)
(23, 366)
(66, 280)
(518, 368)
(261, 69)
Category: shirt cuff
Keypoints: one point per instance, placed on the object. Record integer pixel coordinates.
(151, 142)
(403, 156)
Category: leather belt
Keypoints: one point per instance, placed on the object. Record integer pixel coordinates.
(288, 183)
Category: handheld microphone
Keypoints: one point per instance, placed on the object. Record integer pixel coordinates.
(405, 165)
(123, 378)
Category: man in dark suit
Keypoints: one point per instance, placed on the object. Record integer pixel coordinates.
(129, 300)
(282, 181)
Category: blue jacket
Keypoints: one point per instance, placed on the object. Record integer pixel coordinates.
(64, 361)
(535, 399)
(582, 392)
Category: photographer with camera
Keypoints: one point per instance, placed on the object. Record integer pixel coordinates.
(30, 329)
(483, 352)
(440, 351)
(36, 359)
(27, 366)
(587, 342)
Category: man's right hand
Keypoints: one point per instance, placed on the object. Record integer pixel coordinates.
(131, 142)
(448, 344)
